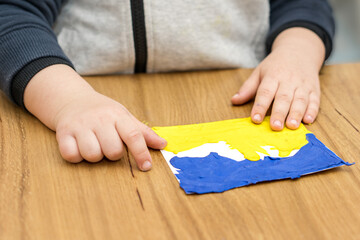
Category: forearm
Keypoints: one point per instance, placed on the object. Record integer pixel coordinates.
(52, 89)
(304, 43)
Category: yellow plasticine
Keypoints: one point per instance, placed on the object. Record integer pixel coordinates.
(241, 134)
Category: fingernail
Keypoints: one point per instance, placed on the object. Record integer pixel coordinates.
(236, 95)
(146, 166)
(277, 123)
(294, 122)
(309, 119)
(257, 118)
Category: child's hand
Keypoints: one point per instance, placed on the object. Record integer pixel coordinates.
(88, 125)
(288, 77)
(94, 125)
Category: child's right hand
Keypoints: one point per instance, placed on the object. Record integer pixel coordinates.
(94, 125)
(88, 124)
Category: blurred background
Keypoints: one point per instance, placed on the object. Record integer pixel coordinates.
(347, 37)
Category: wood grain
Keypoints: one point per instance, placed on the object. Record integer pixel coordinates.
(43, 197)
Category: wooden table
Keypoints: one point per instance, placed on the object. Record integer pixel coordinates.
(44, 197)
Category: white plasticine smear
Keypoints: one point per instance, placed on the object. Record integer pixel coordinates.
(221, 148)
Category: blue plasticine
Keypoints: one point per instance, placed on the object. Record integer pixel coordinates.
(215, 173)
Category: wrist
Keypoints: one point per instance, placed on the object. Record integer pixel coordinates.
(26, 73)
(51, 89)
(301, 43)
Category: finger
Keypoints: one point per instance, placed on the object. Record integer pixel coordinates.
(313, 108)
(248, 89)
(151, 138)
(89, 146)
(297, 109)
(264, 97)
(110, 142)
(68, 148)
(281, 107)
(134, 139)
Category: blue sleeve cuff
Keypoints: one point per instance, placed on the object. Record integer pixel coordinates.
(23, 77)
(315, 15)
(20, 48)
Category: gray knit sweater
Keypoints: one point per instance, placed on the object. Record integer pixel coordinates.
(181, 35)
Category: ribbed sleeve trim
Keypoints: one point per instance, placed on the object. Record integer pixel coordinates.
(21, 47)
(23, 77)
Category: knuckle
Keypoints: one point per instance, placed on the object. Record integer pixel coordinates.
(108, 116)
(120, 110)
(148, 131)
(304, 89)
(115, 154)
(313, 111)
(93, 156)
(64, 128)
(72, 157)
(133, 136)
(69, 152)
(265, 92)
(258, 107)
(315, 92)
(296, 114)
(142, 155)
(301, 99)
(103, 118)
(315, 103)
(283, 97)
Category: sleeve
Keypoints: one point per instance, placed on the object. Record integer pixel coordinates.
(27, 43)
(315, 15)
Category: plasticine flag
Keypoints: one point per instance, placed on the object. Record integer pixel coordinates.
(218, 156)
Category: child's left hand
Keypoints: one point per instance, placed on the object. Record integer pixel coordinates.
(288, 77)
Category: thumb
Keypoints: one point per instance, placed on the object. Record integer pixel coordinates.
(248, 89)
